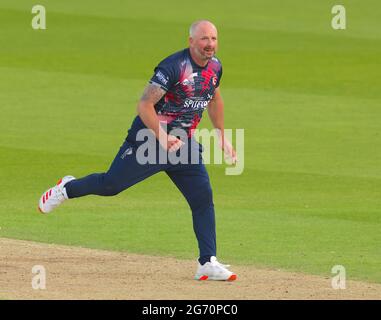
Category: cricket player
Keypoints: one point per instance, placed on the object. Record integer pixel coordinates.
(182, 87)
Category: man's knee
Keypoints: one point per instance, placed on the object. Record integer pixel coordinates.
(111, 185)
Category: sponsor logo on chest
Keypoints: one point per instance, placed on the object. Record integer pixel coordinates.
(197, 104)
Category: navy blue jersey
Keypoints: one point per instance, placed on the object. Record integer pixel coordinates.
(189, 88)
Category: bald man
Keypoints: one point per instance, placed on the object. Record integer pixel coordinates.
(182, 87)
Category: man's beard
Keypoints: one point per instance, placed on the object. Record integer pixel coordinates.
(205, 56)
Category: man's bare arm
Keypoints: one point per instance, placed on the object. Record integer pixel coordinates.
(146, 107)
(153, 93)
(146, 110)
(216, 110)
(216, 115)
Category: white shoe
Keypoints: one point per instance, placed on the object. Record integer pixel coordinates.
(214, 270)
(54, 196)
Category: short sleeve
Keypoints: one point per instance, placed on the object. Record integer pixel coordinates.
(165, 76)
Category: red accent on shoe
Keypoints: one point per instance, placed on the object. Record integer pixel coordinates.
(59, 181)
(202, 278)
(232, 277)
(50, 192)
(43, 199)
(47, 195)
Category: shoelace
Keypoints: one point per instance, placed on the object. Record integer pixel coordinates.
(59, 193)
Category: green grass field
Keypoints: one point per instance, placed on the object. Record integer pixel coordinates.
(307, 96)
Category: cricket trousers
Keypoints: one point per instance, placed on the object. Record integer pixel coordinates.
(191, 178)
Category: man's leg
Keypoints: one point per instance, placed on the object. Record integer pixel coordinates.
(193, 181)
(124, 172)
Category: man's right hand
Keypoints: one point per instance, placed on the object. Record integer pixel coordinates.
(170, 142)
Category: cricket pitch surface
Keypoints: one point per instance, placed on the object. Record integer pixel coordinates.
(81, 273)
